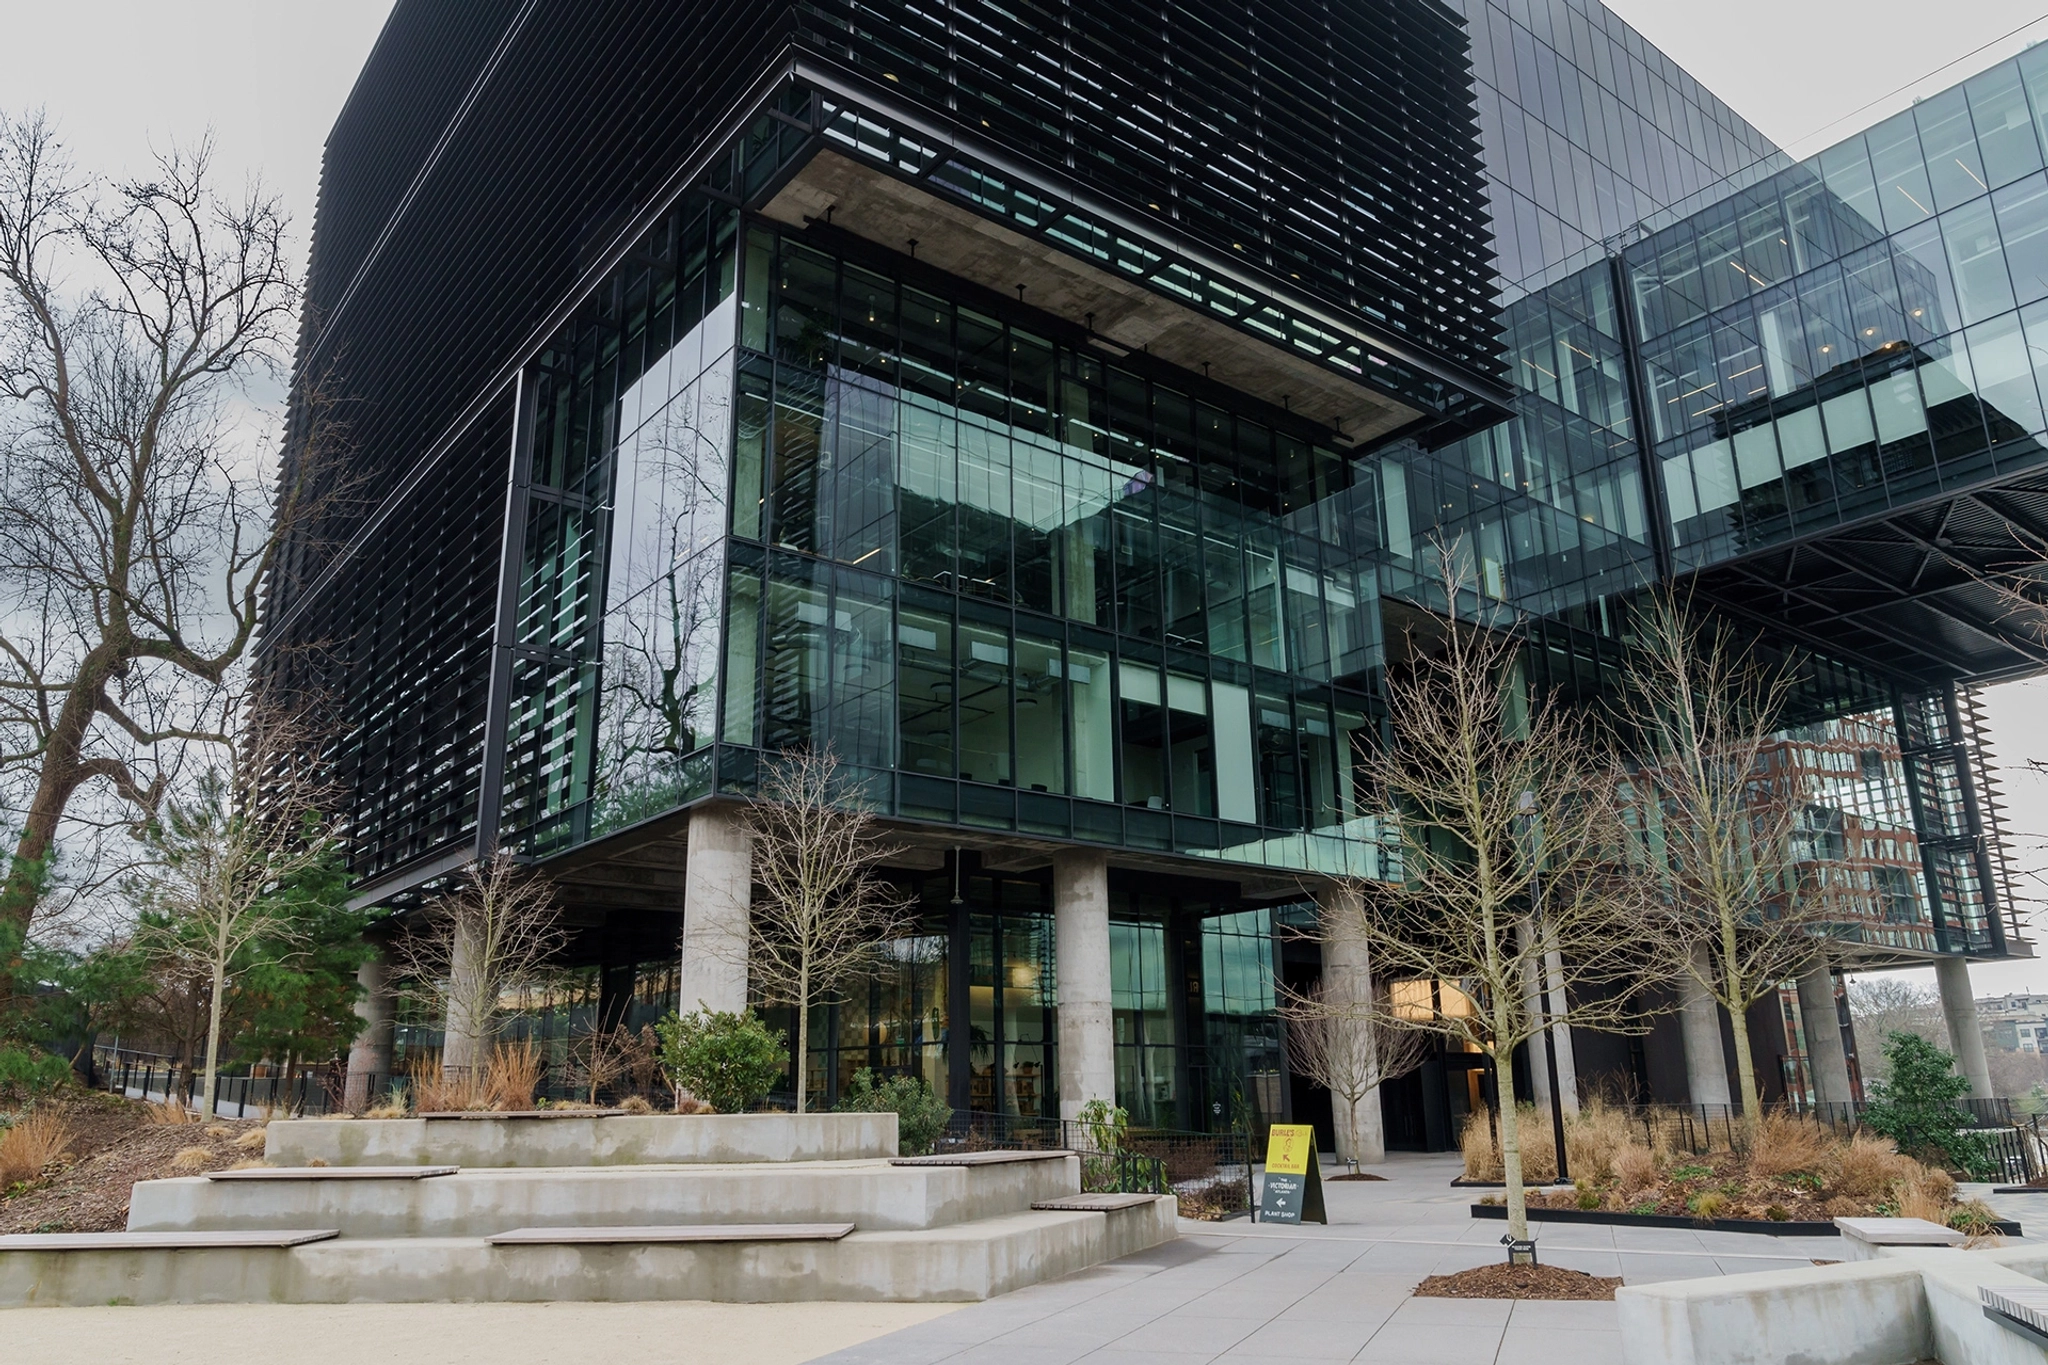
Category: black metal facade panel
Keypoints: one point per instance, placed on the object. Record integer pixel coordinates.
(401, 655)
(1330, 144)
(425, 61)
(587, 114)
(468, 192)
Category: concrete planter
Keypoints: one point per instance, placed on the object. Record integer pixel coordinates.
(578, 1139)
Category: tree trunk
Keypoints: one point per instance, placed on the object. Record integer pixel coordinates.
(59, 778)
(1738, 1019)
(803, 1036)
(1510, 1145)
(212, 1043)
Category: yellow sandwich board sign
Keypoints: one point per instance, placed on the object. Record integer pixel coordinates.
(1293, 1189)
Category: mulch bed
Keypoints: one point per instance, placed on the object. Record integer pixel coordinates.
(1503, 1281)
(1362, 1175)
(112, 1146)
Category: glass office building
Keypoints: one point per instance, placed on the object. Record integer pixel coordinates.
(1046, 413)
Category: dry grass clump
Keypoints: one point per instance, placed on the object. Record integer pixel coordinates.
(434, 1092)
(1634, 1169)
(30, 1145)
(192, 1159)
(1595, 1137)
(168, 1111)
(1866, 1166)
(254, 1139)
(1783, 1145)
(1483, 1159)
(687, 1103)
(512, 1076)
(394, 1105)
(636, 1104)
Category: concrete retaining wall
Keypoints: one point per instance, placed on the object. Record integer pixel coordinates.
(1907, 1305)
(872, 1195)
(960, 1263)
(578, 1140)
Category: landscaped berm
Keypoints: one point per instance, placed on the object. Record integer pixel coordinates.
(583, 1206)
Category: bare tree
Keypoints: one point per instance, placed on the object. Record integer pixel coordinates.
(225, 861)
(136, 524)
(1350, 1051)
(496, 927)
(824, 914)
(1502, 808)
(1746, 904)
(1882, 1005)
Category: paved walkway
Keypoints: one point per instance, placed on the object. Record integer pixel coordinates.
(1257, 1294)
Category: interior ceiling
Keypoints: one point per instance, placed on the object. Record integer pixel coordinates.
(1927, 592)
(890, 213)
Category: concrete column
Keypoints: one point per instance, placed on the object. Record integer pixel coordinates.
(1706, 1064)
(465, 1041)
(1533, 1002)
(1549, 999)
(1347, 982)
(369, 1056)
(1567, 1061)
(1823, 1027)
(718, 893)
(1087, 1043)
(1965, 1035)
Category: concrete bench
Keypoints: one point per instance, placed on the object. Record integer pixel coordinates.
(263, 1173)
(1863, 1238)
(977, 1158)
(705, 1232)
(161, 1241)
(1093, 1203)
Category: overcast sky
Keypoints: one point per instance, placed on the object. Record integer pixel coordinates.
(268, 76)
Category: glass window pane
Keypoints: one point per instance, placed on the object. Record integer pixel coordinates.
(2005, 376)
(2005, 126)
(2023, 226)
(1977, 261)
(1041, 716)
(1950, 143)
(984, 704)
(1903, 196)
(924, 687)
(1094, 735)
(1144, 742)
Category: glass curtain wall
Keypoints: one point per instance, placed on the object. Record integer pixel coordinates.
(1857, 332)
(621, 563)
(1023, 588)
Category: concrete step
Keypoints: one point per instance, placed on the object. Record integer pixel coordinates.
(579, 1139)
(700, 1232)
(961, 1262)
(873, 1195)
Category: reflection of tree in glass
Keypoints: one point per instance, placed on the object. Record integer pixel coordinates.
(661, 636)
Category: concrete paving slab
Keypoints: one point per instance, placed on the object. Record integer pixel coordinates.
(1415, 1344)
(1532, 1344)
(465, 1333)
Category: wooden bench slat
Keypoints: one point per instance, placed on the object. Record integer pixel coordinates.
(707, 1232)
(1093, 1203)
(160, 1241)
(976, 1158)
(334, 1173)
